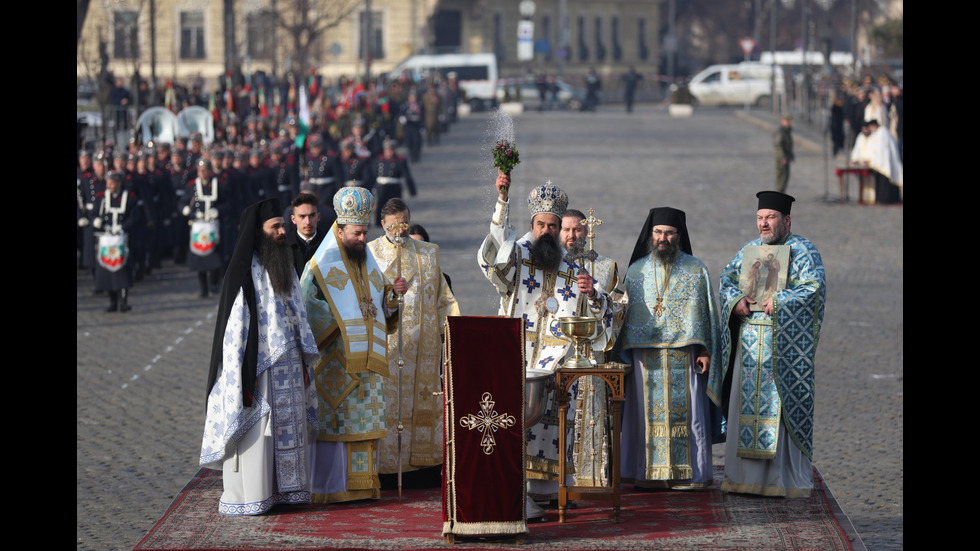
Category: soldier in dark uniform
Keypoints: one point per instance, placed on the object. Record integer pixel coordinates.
(355, 171)
(195, 149)
(83, 184)
(116, 214)
(410, 118)
(250, 134)
(340, 127)
(108, 152)
(89, 190)
(119, 165)
(256, 175)
(390, 172)
(367, 141)
(180, 177)
(292, 152)
(204, 204)
(145, 232)
(157, 164)
(125, 163)
(180, 144)
(231, 173)
(233, 133)
(228, 188)
(324, 175)
(153, 201)
(782, 139)
(283, 176)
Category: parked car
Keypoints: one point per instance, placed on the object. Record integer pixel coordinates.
(744, 83)
(560, 95)
(477, 74)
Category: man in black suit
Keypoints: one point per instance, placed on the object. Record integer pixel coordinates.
(307, 235)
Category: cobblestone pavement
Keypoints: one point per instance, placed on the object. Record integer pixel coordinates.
(141, 376)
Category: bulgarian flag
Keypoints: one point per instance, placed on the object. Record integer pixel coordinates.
(276, 100)
(229, 93)
(170, 98)
(213, 107)
(303, 120)
(313, 83)
(263, 107)
(291, 98)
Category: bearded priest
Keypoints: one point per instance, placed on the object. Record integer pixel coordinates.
(538, 283)
(262, 409)
(349, 301)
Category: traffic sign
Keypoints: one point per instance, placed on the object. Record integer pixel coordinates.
(747, 44)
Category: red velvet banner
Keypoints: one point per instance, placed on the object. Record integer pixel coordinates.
(484, 481)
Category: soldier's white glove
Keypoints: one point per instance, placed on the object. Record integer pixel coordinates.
(97, 223)
(186, 211)
(82, 222)
(402, 119)
(212, 214)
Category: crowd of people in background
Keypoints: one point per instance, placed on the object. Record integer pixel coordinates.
(183, 200)
(364, 134)
(866, 130)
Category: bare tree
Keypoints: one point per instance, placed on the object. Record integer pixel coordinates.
(307, 20)
(82, 13)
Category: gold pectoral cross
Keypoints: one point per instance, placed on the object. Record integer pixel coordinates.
(659, 308)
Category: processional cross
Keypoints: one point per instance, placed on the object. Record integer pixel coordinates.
(398, 230)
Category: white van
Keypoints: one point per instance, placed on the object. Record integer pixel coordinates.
(737, 84)
(476, 74)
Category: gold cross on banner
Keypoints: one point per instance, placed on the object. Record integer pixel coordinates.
(488, 421)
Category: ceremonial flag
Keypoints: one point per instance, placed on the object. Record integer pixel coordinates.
(213, 107)
(170, 98)
(313, 83)
(263, 106)
(303, 120)
(291, 98)
(229, 94)
(276, 100)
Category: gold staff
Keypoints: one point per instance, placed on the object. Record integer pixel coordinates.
(397, 231)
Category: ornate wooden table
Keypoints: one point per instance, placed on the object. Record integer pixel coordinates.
(614, 376)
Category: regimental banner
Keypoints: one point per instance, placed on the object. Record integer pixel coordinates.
(112, 251)
(204, 237)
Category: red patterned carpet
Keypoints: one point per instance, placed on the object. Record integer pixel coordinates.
(676, 520)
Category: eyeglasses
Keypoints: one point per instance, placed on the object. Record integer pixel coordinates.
(661, 233)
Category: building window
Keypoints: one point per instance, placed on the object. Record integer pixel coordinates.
(192, 35)
(583, 49)
(125, 35)
(376, 40)
(260, 32)
(641, 36)
(600, 46)
(617, 53)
